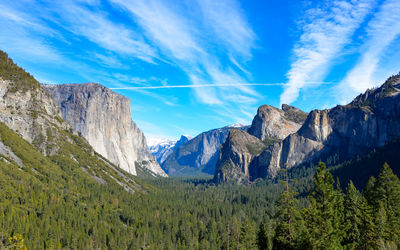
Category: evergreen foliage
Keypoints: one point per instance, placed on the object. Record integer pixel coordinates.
(264, 236)
(368, 220)
(289, 222)
(353, 216)
(384, 197)
(324, 216)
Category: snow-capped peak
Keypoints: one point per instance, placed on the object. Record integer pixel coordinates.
(154, 141)
(236, 125)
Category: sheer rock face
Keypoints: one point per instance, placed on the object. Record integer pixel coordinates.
(368, 122)
(31, 113)
(104, 119)
(271, 122)
(235, 156)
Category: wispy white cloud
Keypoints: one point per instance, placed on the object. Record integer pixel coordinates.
(18, 35)
(208, 96)
(169, 31)
(325, 33)
(97, 28)
(190, 43)
(229, 26)
(106, 60)
(20, 19)
(17, 40)
(382, 31)
(144, 83)
(36, 32)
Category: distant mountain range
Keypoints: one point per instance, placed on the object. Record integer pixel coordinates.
(196, 156)
(162, 148)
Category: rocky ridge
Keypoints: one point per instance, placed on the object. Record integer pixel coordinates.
(335, 135)
(103, 117)
(369, 122)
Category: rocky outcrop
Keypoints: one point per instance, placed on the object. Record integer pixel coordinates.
(104, 119)
(369, 122)
(199, 155)
(236, 154)
(27, 109)
(271, 122)
(163, 148)
(270, 125)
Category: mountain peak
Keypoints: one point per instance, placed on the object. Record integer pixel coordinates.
(237, 125)
(271, 122)
(185, 137)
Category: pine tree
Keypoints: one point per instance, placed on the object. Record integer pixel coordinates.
(263, 237)
(384, 197)
(290, 224)
(368, 192)
(353, 217)
(324, 216)
(248, 235)
(367, 229)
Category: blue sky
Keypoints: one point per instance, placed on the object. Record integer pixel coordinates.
(225, 58)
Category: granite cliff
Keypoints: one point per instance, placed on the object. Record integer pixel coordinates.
(103, 117)
(273, 123)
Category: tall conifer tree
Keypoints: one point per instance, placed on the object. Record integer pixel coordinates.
(324, 217)
(290, 224)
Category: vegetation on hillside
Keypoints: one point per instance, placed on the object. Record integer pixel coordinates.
(296, 116)
(55, 202)
(21, 80)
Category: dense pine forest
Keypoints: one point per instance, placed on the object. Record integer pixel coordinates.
(197, 214)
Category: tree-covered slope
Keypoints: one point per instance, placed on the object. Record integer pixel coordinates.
(71, 199)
